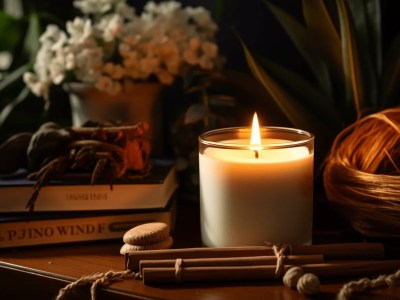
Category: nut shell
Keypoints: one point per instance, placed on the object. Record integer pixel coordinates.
(308, 284)
(292, 276)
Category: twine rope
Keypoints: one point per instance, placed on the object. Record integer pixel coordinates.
(178, 269)
(280, 251)
(97, 279)
(365, 284)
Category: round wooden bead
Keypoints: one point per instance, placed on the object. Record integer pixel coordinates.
(148, 233)
(165, 244)
(292, 276)
(308, 284)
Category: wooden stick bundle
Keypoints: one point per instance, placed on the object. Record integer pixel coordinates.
(231, 261)
(235, 273)
(343, 251)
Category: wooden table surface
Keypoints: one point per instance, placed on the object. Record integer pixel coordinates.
(39, 273)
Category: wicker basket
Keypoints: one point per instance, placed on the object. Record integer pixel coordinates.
(362, 174)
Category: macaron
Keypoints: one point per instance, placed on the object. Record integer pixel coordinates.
(164, 244)
(145, 234)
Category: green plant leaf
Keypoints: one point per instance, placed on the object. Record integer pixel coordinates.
(12, 78)
(219, 9)
(374, 25)
(10, 32)
(7, 110)
(297, 114)
(31, 40)
(366, 16)
(320, 25)
(351, 64)
(306, 93)
(305, 45)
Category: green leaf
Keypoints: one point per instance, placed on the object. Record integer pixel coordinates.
(31, 40)
(297, 114)
(321, 28)
(306, 93)
(7, 110)
(352, 72)
(11, 78)
(367, 32)
(10, 32)
(305, 45)
(374, 24)
(219, 9)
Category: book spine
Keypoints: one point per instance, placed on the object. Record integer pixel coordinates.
(90, 197)
(56, 231)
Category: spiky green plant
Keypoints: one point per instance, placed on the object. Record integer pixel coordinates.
(342, 49)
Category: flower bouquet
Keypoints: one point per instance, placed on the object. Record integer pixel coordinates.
(111, 44)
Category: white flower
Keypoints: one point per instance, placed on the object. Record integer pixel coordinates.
(50, 35)
(57, 72)
(111, 27)
(95, 6)
(79, 30)
(88, 64)
(125, 11)
(202, 18)
(69, 61)
(112, 43)
(37, 87)
(60, 42)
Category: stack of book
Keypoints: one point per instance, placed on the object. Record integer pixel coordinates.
(72, 211)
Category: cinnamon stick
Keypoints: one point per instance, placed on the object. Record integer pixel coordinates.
(231, 261)
(344, 251)
(240, 273)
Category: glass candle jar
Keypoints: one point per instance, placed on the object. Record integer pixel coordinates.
(250, 195)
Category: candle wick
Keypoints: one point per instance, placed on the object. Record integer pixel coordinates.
(256, 154)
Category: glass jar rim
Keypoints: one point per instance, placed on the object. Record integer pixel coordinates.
(308, 137)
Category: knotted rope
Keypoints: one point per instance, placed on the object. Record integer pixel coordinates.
(178, 269)
(97, 279)
(365, 284)
(280, 251)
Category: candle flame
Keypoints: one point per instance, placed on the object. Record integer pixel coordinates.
(255, 140)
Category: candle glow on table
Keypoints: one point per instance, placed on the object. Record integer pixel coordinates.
(256, 191)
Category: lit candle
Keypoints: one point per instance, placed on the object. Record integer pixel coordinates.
(256, 190)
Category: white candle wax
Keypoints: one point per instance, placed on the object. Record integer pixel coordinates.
(249, 201)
